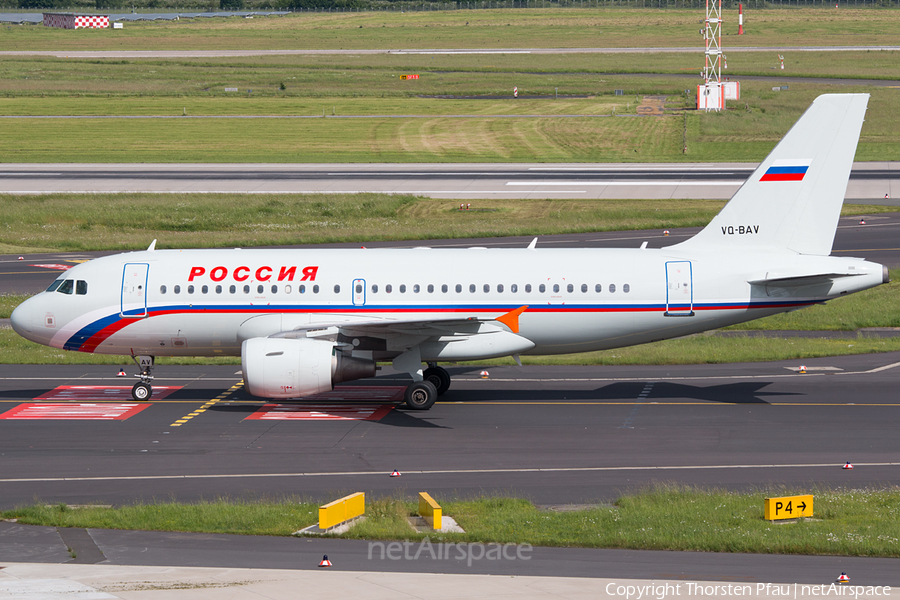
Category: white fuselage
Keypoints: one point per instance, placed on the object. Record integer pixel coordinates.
(207, 302)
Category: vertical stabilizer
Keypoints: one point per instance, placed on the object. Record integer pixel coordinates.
(793, 200)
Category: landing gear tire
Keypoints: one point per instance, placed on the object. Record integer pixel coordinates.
(420, 395)
(141, 391)
(439, 377)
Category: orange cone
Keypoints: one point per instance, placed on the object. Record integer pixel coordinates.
(848, 466)
(843, 578)
(325, 562)
(395, 473)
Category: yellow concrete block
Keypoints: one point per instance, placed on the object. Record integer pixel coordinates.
(343, 509)
(430, 510)
(788, 507)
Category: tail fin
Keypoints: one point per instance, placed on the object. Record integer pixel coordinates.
(793, 200)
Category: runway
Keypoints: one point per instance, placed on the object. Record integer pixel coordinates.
(869, 182)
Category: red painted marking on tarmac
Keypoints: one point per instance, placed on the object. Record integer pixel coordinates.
(54, 267)
(341, 404)
(107, 393)
(104, 411)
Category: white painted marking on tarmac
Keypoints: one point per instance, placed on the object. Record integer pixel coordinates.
(271, 192)
(626, 183)
(448, 472)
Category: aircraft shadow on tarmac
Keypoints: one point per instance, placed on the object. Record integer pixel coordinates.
(749, 392)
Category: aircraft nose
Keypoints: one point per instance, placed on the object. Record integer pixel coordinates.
(22, 320)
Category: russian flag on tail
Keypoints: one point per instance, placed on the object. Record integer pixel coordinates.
(787, 170)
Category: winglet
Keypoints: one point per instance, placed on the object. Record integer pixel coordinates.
(511, 319)
(533, 244)
(152, 246)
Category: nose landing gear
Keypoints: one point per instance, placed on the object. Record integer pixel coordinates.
(142, 390)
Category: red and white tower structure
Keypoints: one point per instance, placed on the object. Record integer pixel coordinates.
(711, 95)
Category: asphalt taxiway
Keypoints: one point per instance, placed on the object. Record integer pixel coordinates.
(869, 181)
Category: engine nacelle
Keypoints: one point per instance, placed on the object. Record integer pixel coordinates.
(292, 368)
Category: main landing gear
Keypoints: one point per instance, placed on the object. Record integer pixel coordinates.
(421, 395)
(142, 389)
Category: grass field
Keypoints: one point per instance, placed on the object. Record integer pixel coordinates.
(540, 28)
(848, 523)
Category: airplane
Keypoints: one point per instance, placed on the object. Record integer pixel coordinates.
(303, 320)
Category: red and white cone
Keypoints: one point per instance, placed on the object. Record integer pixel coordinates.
(484, 374)
(862, 221)
(847, 466)
(21, 258)
(843, 578)
(666, 232)
(395, 473)
(325, 562)
(802, 368)
(121, 373)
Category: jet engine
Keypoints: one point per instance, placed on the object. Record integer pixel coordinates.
(292, 368)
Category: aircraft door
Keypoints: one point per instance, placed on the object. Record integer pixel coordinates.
(359, 292)
(679, 289)
(134, 290)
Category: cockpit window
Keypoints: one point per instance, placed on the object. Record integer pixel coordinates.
(80, 287)
(67, 286)
(55, 285)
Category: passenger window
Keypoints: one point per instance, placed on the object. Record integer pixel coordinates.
(81, 288)
(337, 289)
(177, 289)
(500, 287)
(471, 288)
(190, 289)
(556, 287)
(359, 288)
(430, 289)
(570, 288)
(287, 289)
(301, 289)
(458, 288)
(416, 288)
(232, 289)
(612, 288)
(162, 289)
(274, 289)
(487, 288)
(218, 289)
(402, 288)
(66, 287)
(246, 289)
(444, 288)
(598, 288)
(527, 288)
(626, 288)
(542, 288)
(205, 289)
(514, 288)
(388, 288)
(315, 289)
(374, 288)
(584, 288)
(54, 285)
(260, 289)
